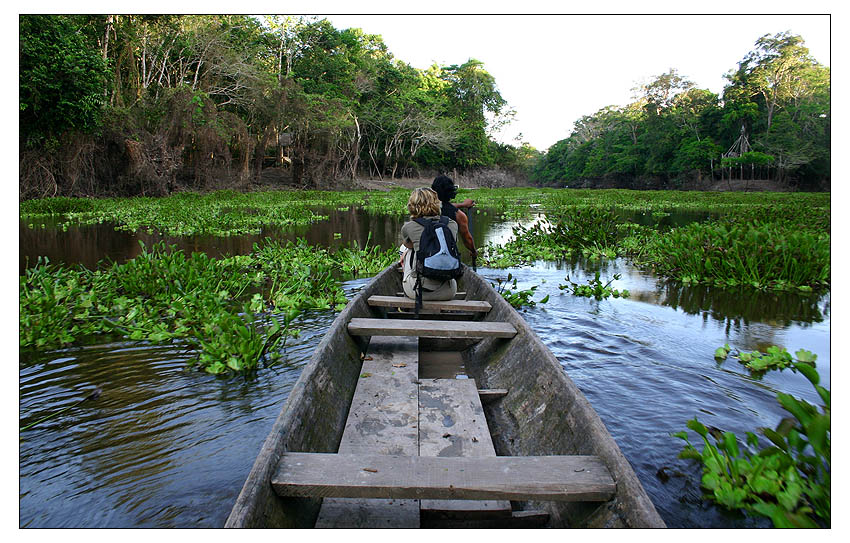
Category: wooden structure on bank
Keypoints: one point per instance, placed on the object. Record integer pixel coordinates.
(377, 433)
(741, 146)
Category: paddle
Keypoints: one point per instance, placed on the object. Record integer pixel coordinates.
(469, 227)
(92, 395)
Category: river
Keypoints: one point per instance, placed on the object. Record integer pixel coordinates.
(165, 446)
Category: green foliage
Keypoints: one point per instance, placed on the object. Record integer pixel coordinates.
(765, 241)
(62, 79)
(235, 312)
(775, 358)
(788, 481)
(515, 296)
(222, 213)
(778, 93)
(595, 288)
(752, 254)
(204, 97)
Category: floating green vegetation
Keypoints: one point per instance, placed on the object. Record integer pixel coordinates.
(787, 481)
(528, 245)
(775, 358)
(222, 213)
(776, 241)
(731, 254)
(515, 296)
(595, 288)
(235, 312)
(768, 241)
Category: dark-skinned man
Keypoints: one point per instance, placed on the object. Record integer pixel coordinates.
(446, 190)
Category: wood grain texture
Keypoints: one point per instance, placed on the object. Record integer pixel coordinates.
(382, 420)
(429, 328)
(452, 423)
(446, 305)
(559, 478)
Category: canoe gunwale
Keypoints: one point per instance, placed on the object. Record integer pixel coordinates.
(537, 383)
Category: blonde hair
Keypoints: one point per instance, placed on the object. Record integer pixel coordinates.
(423, 202)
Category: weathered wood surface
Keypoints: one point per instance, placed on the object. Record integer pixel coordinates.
(432, 313)
(445, 305)
(452, 423)
(382, 420)
(459, 295)
(429, 328)
(546, 413)
(561, 478)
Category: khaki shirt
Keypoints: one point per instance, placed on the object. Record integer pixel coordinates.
(411, 231)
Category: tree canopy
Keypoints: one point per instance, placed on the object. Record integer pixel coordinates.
(778, 96)
(212, 93)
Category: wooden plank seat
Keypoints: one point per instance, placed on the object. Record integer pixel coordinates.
(430, 305)
(429, 328)
(459, 295)
(556, 478)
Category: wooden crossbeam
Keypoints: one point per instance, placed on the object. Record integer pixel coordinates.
(443, 305)
(561, 478)
(429, 328)
(460, 295)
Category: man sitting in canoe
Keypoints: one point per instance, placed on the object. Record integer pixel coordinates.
(446, 190)
(423, 203)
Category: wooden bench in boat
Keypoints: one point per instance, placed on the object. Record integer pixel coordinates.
(444, 305)
(558, 478)
(418, 452)
(429, 328)
(460, 295)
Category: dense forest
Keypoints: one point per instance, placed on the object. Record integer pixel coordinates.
(772, 122)
(152, 104)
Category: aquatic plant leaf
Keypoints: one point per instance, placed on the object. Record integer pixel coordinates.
(775, 438)
(806, 356)
(817, 433)
(801, 410)
(730, 443)
(697, 427)
(808, 371)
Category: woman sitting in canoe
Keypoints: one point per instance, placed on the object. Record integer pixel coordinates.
(424, 204)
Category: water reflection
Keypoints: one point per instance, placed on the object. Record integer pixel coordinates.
(779, 309)
(91, 245)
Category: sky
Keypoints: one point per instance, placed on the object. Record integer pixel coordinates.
(553, 69)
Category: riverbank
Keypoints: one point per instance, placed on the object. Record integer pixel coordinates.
(279, 179)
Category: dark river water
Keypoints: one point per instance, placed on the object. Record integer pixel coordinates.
(164, 446)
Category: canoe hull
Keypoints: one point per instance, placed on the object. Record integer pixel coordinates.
(543, 414)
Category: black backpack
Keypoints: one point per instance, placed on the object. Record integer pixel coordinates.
(437, 257)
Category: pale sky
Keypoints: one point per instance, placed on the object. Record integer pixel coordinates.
(553, 69)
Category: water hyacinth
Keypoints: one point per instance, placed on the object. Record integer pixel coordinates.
(235, 312)
(789, 481)
(755, 255)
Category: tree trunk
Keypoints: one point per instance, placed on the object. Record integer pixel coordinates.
(109, 21)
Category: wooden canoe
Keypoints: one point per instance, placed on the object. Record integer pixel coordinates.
(539, 413)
